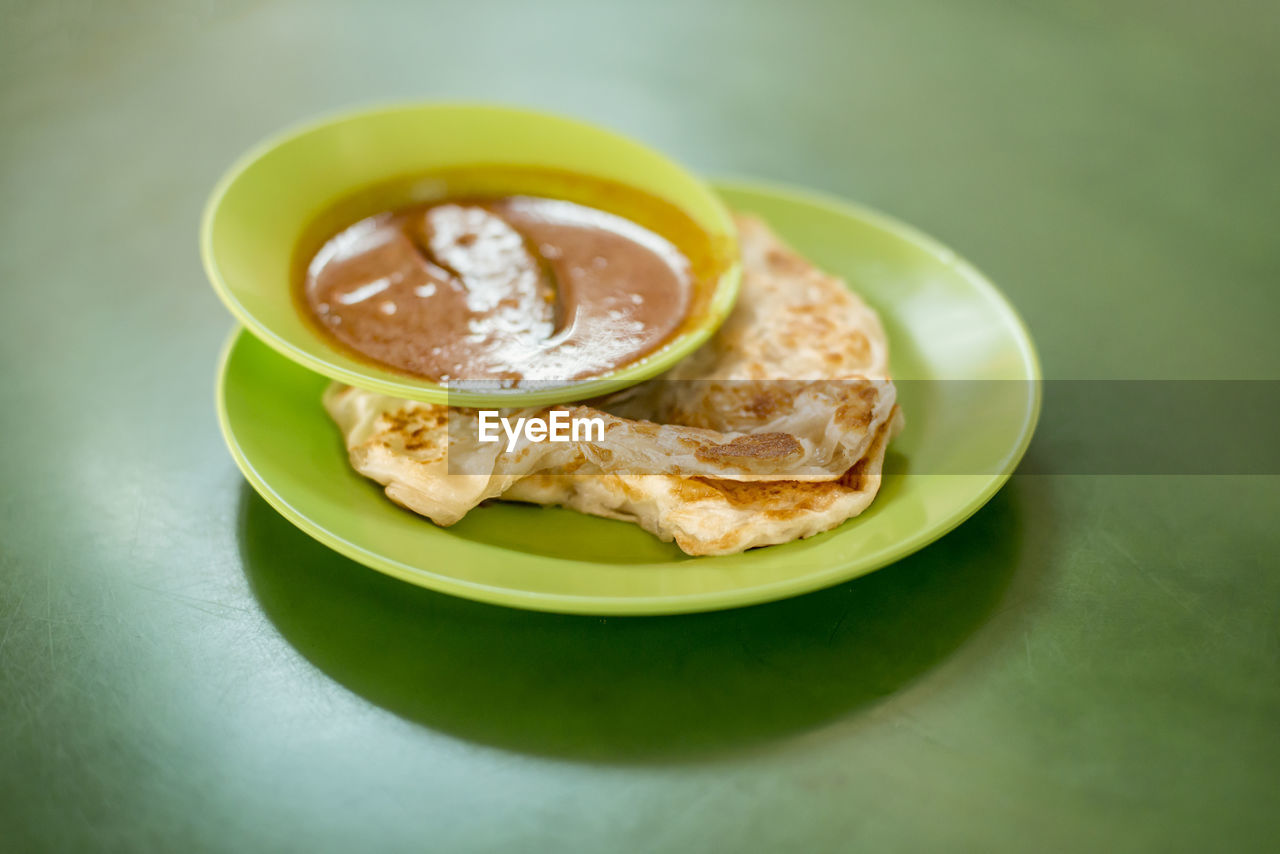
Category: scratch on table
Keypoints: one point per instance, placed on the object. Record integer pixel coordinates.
(1150, 576)
(835, 630)
(196, 602)
(13, 620)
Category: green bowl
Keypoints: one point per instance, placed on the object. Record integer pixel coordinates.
(261, 210)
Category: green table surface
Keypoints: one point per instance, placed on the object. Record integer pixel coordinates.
(1089, 661)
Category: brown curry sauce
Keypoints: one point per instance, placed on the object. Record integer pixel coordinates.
(508, 288)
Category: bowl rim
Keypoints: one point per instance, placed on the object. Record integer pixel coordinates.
(723, 297)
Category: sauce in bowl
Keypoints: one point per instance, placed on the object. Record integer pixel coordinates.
(505, 288)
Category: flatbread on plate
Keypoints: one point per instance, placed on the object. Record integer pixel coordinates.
(774, 430)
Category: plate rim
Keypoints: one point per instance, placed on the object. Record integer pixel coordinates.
(596, 605)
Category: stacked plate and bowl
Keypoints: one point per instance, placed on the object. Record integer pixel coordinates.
(954, 337)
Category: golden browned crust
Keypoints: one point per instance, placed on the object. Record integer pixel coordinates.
(773, 431)
(756, 446)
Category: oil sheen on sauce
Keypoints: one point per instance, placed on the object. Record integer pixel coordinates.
(508, 289)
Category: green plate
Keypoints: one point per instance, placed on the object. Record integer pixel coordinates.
(945, 322)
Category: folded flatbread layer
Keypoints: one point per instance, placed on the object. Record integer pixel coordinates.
(707, 516)
(776, 429)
